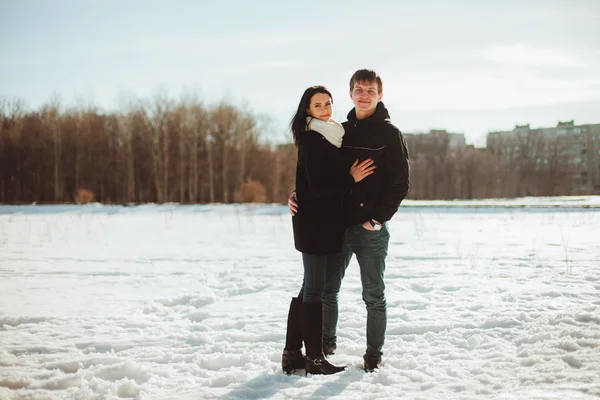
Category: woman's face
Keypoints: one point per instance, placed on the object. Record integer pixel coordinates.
(320, 107)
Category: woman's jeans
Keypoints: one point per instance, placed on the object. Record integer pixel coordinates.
(315, 273)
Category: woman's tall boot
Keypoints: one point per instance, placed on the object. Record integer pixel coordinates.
(292, 358)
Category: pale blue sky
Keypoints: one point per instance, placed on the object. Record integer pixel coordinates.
(468, 66)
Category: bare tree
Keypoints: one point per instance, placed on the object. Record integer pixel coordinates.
(198, 141)
(224, 119)
(156, 118)
(11, 116)
(51, 119)
(126, 142)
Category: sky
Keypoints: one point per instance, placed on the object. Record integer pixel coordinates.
(486, 300)
(466, 66)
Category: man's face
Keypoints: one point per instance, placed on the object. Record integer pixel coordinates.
(365, 96)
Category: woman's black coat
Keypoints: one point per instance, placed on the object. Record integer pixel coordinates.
(320, 183)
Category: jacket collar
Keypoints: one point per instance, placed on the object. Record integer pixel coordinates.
(380, 114)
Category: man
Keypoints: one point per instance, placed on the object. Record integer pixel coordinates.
(367, 208)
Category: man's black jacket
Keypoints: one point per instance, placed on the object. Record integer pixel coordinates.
(378, 196)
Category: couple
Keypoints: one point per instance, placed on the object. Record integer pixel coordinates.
(350, 180)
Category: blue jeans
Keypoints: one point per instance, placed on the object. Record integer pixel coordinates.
(370, 248)
(315, 273)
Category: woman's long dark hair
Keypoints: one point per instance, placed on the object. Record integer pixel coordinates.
(298, 124)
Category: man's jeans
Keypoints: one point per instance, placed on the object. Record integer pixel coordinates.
(370, 248)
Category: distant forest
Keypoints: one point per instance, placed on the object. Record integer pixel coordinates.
(164, 150)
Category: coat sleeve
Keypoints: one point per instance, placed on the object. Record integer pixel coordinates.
(323, 169)
(397, 162)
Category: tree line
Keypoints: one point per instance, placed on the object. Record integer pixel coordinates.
(163, 150)
(530, 165)
(159, 150)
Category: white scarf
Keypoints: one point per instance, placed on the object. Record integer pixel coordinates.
(331, 130)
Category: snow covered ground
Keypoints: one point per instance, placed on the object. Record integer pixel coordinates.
(189, 302)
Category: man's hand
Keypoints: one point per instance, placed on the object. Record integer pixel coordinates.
(292, 204)
(368, 226)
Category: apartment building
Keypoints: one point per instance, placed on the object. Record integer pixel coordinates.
(577, 145)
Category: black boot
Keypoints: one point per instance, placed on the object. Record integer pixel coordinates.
(292, 358)
(329, 349)
(312, 322)
(371, 362)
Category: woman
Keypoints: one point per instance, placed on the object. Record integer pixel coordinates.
(318, 225)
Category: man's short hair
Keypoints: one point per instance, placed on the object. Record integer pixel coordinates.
(366, 75)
